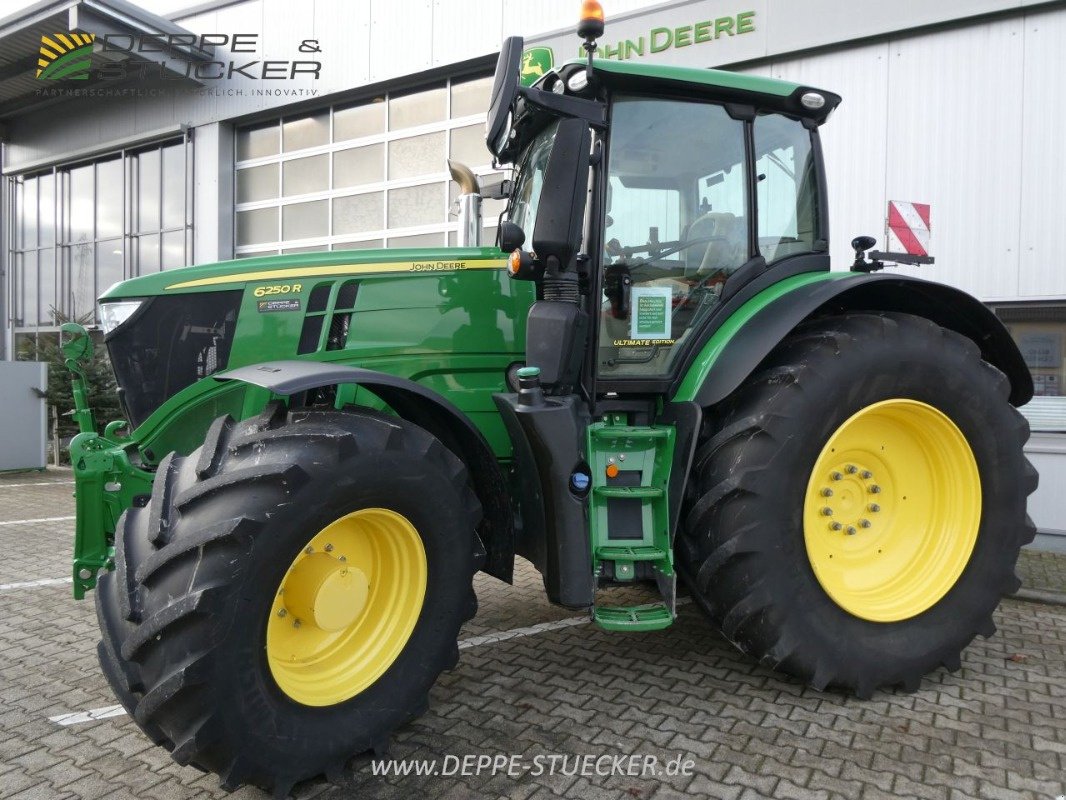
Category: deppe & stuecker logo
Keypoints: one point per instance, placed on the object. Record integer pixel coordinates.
(65, 55)
(69, 56)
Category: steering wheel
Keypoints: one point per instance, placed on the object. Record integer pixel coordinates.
(722, 241)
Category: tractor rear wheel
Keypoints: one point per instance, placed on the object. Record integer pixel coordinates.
(290, 593)
(858, 505)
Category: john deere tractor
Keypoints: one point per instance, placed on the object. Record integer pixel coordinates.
(654, 375)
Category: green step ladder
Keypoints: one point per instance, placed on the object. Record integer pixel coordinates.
(629, 518)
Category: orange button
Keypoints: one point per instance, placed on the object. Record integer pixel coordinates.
(612, 470)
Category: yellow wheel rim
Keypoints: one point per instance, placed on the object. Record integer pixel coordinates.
(892, 510)
(346, 607)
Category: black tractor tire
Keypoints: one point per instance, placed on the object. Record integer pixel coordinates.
(183, 615)
(742, 550)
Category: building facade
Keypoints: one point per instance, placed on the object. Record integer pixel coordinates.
(198, 151)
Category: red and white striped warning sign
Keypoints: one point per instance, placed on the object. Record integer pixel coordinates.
(908, 227)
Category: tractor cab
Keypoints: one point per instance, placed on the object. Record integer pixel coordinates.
(646, 203)
(657, 194)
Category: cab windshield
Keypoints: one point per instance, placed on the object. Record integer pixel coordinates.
(678, 220)
(530, 180)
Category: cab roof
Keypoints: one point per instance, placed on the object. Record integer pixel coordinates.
(768, 94)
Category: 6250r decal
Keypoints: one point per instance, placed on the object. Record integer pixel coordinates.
(278, 288)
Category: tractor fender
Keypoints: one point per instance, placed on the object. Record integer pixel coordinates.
(950, 308)
(427, 409)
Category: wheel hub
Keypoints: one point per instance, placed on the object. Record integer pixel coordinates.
(855, 497)
(324, 591)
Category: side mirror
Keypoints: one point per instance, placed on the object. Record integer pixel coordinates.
(504, 90)
(561, 211)
(860, 244)
(511, 237)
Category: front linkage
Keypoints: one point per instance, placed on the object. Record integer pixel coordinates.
(105, 480)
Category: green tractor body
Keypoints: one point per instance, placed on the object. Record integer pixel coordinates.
(649, 379)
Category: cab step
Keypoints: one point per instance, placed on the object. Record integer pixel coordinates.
(629, 492)
(649, 617)
(616, 552)
(633, 433)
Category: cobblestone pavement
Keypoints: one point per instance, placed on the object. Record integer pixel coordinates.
(1043, 570)
(995, 729)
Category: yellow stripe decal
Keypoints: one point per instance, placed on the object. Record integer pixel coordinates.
(65, 41)
(427, 266)
(53, 44)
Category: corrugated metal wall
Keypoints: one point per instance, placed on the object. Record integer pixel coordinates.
(966, 120)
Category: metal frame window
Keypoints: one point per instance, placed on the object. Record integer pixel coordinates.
(1040, 331)
(78, 228)
(361, 175)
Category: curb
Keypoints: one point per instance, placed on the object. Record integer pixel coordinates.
(1040, 596)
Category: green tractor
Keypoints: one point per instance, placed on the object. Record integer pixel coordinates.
(321, 450)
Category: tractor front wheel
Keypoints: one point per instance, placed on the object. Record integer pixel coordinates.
(858, 505)
(290, 593)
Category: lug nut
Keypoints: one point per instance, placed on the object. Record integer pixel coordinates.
(827, 512)
(874, 507)
(282, 612)
(866, 474)
(296, 623)
(864, 523)
(329, 548)
(851, 469)
(875, 489)
(836, 476)
(835, 526)
(827, 492)
(851, 530)
(309, 549)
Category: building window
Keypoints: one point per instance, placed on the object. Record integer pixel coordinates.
(369, 174)
(1040, 332)
(80, 228)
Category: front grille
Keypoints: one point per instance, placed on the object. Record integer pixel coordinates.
(171, 342)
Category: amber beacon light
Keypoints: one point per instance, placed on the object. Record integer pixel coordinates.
(591, 25)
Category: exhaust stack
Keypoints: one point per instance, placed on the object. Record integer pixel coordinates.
(469, 203)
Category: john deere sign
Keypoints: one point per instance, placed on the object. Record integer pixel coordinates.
(656, 40)
(680, 35)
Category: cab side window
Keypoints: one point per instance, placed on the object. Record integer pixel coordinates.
(786, 189)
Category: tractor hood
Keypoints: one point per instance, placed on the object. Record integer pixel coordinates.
(339, 263)
(394, 310)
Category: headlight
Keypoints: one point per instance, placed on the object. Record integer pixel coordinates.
(114, 314)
